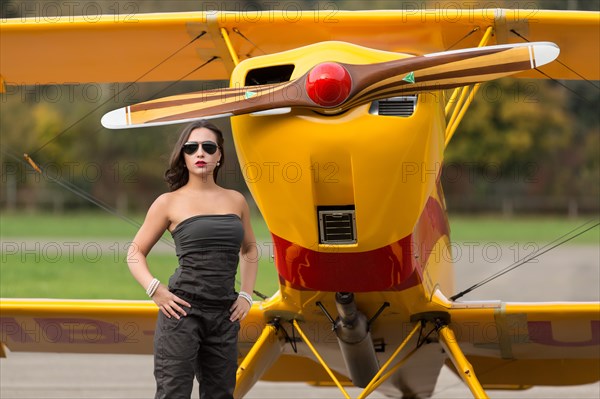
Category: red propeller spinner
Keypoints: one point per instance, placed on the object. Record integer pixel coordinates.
(328, 84)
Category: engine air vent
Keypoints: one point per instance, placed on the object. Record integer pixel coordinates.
(337, 225)
(395, 106)
(267, 75)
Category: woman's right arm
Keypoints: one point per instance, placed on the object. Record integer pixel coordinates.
(155, 224)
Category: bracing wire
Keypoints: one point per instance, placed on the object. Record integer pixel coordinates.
(120, 91)
(81, 193)
(546, 248)
(557, 60)
(90, 198)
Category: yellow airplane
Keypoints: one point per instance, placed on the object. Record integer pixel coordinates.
(354, 109)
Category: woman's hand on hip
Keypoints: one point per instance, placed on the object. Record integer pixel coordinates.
(169, 303)
(239, 310)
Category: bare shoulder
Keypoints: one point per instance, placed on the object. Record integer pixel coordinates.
(161, 205)
(238, 200)
(235, 195)
(163, 201)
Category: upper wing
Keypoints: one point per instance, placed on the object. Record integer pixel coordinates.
(174, 46)
(517, 345)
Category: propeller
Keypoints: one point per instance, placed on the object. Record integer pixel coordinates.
(331, 87)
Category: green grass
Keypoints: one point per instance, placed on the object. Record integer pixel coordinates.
(521, 230)
(93, 224)
(93, 277)
(52, 270)
(82, 225)
(93, 265)
(103, 225)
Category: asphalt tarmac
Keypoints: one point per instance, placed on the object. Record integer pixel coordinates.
(569, 273)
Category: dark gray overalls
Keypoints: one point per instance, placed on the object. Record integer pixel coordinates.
(203, 343)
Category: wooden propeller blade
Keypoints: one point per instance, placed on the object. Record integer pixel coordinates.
(445, 70)
(370, 82)
(208, 104)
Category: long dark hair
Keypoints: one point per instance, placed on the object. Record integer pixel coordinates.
(177, 175)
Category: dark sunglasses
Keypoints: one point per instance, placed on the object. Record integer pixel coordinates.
(209, 147)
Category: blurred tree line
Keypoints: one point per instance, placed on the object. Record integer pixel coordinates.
(533, 141)
(536, 141)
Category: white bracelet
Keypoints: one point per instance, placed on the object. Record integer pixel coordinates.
(153, 290)
(152, 287)
(149, 288)
(246, 296)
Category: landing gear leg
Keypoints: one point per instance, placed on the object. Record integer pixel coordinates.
(464, 368)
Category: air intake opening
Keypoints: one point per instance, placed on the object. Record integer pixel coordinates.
(396, 106)
(271, 74)
(337, 224)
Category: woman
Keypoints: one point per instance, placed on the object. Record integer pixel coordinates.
(198, 323)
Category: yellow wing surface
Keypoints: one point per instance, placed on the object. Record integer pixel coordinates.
(120, 327)
(84, 326)
(500, 338)
(517, 345)
(174, 46)
(510, 345)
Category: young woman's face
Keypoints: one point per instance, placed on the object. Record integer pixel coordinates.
(197, 152)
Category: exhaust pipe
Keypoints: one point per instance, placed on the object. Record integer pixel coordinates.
(352, 330)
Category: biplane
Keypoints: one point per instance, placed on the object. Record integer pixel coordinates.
(357, 109)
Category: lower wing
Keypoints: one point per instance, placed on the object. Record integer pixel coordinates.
(517, 345)
(77, 326)
(510, 345)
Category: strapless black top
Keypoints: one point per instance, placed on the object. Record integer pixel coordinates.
(208, 249)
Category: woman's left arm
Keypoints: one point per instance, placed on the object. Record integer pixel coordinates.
(248, 266)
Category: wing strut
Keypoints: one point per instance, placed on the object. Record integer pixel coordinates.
(230, 48)
(467, 94)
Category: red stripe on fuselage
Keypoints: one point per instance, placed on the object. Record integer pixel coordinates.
(393, 267)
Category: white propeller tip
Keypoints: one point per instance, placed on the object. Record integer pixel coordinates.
(274, 111)
(116, 119)
(544, 53)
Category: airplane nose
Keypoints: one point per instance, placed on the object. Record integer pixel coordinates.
(328, 84)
